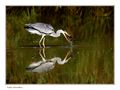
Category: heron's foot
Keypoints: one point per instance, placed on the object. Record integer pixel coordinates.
(43, 46)
(40, 46)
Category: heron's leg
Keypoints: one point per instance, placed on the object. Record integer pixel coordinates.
(44, 52)
(43, 46)
(40, 52)
(44, 42)
(41, 40)
(42, 56)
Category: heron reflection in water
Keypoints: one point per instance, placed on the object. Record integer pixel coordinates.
(47, 65)
(45, 30)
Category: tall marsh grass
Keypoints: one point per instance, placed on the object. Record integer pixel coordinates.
(83, 23)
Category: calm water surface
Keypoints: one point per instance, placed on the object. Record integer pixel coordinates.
(86, 64)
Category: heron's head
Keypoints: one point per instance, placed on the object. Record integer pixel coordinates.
(27, 27)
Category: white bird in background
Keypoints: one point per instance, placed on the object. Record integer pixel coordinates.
(44, 30)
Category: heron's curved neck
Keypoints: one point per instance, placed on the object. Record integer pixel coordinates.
(57, 34)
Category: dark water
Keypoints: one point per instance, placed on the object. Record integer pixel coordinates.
(87, 64)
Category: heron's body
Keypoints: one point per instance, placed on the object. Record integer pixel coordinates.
(46, 65)
(41, 66)
(44, 30)
(39, 28)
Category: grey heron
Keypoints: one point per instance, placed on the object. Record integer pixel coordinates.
(45, 65)
(44, 30)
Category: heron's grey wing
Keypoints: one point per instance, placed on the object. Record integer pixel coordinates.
(44, 28)
(44, 67)
(34, 65)
(49, 26)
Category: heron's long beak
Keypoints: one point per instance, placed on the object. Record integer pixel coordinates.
(65, 33)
